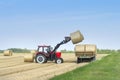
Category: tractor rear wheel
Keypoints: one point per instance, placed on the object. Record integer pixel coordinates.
(40, 59)
(59, 60)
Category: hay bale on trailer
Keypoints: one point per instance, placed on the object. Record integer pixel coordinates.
(87, 51)
(86, 48)
(8, 53)
(79, 48)
(90, 48)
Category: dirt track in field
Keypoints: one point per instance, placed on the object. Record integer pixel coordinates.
(14, 67)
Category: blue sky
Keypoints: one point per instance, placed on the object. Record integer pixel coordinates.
(29, 23)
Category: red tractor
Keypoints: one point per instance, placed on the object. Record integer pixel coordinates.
(45, 53)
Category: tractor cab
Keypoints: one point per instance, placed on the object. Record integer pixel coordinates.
(44, 49)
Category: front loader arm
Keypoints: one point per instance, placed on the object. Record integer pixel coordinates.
(67, 39)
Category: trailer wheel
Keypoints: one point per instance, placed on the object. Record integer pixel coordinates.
(59, 60)
(94, 58)
(40, 59)
(79, 60)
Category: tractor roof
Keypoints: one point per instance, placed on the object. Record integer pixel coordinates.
(43, 46)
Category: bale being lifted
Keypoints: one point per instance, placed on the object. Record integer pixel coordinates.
(76, 37)
(8, 53)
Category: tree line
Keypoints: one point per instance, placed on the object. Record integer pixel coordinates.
(17, 50)
(101, 51)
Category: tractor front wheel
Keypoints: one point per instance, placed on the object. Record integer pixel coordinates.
(59, 60)
(40, 59)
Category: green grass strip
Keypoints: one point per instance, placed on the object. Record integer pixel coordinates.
(106, 69)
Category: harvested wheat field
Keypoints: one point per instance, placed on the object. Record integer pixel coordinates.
(14, 67)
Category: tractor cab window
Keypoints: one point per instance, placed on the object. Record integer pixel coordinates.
(43, 49)
(51, 48)
(46, 49)
(40, 49)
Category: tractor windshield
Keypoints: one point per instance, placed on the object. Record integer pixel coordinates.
(48, 49)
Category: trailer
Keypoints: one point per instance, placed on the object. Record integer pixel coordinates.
(86, 52)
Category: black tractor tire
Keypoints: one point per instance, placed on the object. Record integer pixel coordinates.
(58, 60)
(40, 59)
(46, 61)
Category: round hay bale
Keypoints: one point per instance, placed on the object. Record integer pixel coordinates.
(79, 48)
(79, 54)
(89, 53)
(76, 37)
(33, 52)
(29, 58)
(8, 53)
(91, 48)
(87, 49)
